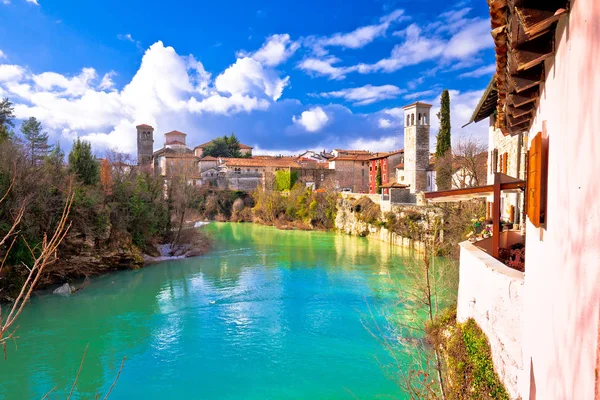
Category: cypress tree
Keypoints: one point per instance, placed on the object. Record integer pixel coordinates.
(443, 149)
(443, 137)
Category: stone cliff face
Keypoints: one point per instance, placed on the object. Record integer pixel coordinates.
(87, 256)
(349, 222)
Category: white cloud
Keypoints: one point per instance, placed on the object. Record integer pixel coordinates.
(454, 38)
(417, 95)
(361, 36)
(367, 94)
(385, 123)
(479, 72)
(248, 76)
(167, 90)
(276, 50)
(2, 55)
(10, 73)
(126, 37)
(312, 120)
(5, 1)
(470, 40)
(74, 86)
(386, 143)
(107, 82)
(33, 2)
(325, 67)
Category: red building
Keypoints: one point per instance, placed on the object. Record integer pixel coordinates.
(383, 161)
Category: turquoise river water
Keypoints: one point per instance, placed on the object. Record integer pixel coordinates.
(267, 314)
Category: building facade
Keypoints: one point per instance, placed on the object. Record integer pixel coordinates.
(385, 162)
(416, 145)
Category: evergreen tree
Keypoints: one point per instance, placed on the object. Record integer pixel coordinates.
(378, 179)
(234, 146)
(443, 150)
(37, 141)
(218, 148)
(56, 157)
(443, 138)
(82, 162)
(6, 116)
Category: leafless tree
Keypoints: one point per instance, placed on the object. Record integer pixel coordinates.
(42, 256)
(417, 367)
(470, 162)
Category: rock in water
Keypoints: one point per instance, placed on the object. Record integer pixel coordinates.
(64, 290)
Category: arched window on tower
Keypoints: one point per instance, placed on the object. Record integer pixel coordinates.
(419, 119)
(408, 120)
(424, 119)
(412, 119)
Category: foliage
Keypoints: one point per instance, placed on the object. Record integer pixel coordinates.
(301, 206)
(285, 179)
(443, 150)
(82, 162)
(443, 138)
(378, 179)
(226, 146)
(469, 365)
(6, 116)
(458, 223)
(36, 139)
(106, 176)
(444, 169)
(406, 224)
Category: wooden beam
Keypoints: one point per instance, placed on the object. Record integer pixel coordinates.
(520, 120)
(521, 99)
(536, 21)
(517, 112)
(528, 79)
(532, 52)
(526, 59)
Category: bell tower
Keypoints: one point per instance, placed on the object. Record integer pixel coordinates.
(416, 145)
(145, 144)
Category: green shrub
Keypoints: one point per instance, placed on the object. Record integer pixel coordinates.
(469, 368)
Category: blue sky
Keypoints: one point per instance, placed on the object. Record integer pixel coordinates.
(284, 76)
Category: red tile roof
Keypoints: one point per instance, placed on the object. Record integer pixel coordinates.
(353, 157)
(145, 126)
(209, 158)
(175, 133)
(378, 156)
(175, 142)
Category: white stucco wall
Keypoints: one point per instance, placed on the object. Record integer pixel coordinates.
(492, 294)
(562, 264)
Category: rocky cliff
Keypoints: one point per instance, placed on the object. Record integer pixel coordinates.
(358, 217)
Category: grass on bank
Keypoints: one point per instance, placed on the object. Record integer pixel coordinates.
(467, 357)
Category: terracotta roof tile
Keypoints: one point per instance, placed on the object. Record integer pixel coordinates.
(145, 126)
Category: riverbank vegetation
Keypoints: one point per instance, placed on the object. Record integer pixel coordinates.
(118, 212)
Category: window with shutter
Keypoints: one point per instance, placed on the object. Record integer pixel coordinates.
(536, 164)
(505, 163)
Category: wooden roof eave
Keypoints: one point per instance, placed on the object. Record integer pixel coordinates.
(524, 39)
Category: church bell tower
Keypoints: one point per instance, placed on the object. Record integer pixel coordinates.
(145, 144)
(416, 145)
